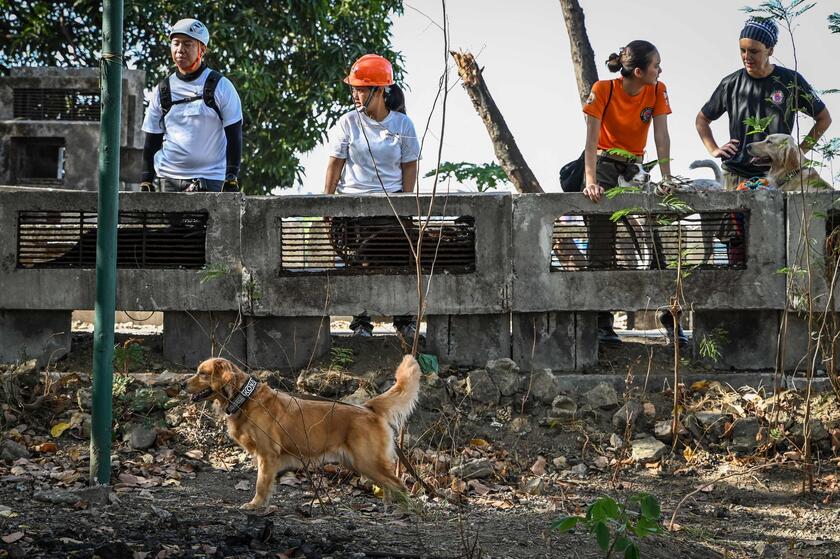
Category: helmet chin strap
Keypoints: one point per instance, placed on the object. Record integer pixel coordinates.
(364, 107)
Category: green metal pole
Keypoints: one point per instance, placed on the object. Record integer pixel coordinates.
(106, 242)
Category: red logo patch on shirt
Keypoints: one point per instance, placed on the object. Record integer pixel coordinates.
(647, 114)
(777, 97)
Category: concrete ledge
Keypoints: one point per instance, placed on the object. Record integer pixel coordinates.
(565, 341)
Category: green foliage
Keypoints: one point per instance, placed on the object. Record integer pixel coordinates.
(776, 9)
(671, 202)
(621, 153)
(834, 22)
(711, 343)
(286, 60)
(212, 272)
(624, 212)
(619, 190)
(616, 527)
(758, 125)
(121, 383)
(485, 175)
(341, 357)
(127, 355)
(828, 148)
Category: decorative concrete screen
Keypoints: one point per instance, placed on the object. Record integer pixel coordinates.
(175, 251)
(641, 241)
(316, 255)
(732, 247)
(377, 245)
(56, 104)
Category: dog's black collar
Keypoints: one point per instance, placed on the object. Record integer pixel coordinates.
(244, 393)
(789, 177)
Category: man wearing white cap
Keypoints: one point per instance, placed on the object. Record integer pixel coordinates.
(193, 124)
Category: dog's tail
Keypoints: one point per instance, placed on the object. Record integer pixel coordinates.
(711, 165)
(398, 402)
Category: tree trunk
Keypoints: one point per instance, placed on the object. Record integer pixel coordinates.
(583, 57)
(507, 152)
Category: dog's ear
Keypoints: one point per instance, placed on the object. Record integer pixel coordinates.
(222, 378)
(792, 157)
(649, 166)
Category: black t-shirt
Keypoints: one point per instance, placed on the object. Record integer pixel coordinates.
(742, 97)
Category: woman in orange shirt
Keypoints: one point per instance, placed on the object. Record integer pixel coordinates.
(618, 117)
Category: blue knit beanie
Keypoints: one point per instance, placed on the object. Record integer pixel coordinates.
(761, 29)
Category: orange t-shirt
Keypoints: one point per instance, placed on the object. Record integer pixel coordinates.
(627, 120)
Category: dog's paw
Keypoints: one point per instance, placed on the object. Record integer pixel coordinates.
(251, 505)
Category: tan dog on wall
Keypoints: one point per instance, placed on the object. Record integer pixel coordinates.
(787, 171)
(283, 432)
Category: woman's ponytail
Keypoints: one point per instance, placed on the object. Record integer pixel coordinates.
(395, 98)
(637, 54)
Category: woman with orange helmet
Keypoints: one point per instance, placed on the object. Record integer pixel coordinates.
(374, 149)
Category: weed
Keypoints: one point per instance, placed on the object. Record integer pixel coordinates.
(341, 357)
(212, 272)
(711, 343)
(128, 354)
(615, 526)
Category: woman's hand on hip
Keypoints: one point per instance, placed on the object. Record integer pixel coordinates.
(593, 191)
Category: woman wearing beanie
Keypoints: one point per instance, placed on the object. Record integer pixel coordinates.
(618, 117)
(759, 90)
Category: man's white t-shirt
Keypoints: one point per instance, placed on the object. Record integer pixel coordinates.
(194, 142)
(393, 142)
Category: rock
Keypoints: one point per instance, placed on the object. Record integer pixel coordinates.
(173, 417)
(628, 413)
(538, 467)
(616, 441)
(818, 432)
(141, 437)
(579, 470)
(479, 468)
(480, 387)
(360, 396)
(662, 430)
(84, 398)
(534, 486)
(148, 399)
(650, 412)
(602, 395)
(744, 433)
(432, 393)
(563, 407)
(712, 423)
(11, 451)
(330, 384)
(27, 374)
(647, 449)
(560, 462)
(505, 375)
(520, 425)
(113, 550)
(545, 385)
(82, 421)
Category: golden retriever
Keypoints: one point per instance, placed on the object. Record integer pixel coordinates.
(283, 432)
(787, 171)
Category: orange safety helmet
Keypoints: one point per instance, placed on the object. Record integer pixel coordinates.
(371, 70)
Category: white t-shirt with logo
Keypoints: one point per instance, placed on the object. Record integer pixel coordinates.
(194, 142)
(393, 142)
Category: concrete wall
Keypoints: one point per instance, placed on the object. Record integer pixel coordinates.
(485, 291)
(137, 289)
(81, 138)
(536, 288)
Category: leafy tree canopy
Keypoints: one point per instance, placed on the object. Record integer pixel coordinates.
(286, 59)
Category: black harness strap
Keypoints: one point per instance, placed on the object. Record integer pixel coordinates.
(208, 95)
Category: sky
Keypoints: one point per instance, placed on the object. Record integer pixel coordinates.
(524, 50)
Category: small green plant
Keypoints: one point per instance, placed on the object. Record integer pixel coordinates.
(340, 357)
(624, 212)
(126, 355)
(758, 125)
(834, 22)
(619, 190)
(617, 526)
(121, 383)
(621, 153)
(486, 175)
(712, 342)
(212, 272)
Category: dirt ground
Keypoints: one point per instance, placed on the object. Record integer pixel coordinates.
(180, 496)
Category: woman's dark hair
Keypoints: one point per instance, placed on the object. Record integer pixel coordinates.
(395, 98)
(637, 54)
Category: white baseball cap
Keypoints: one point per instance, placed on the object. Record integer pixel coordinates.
(191, 28)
